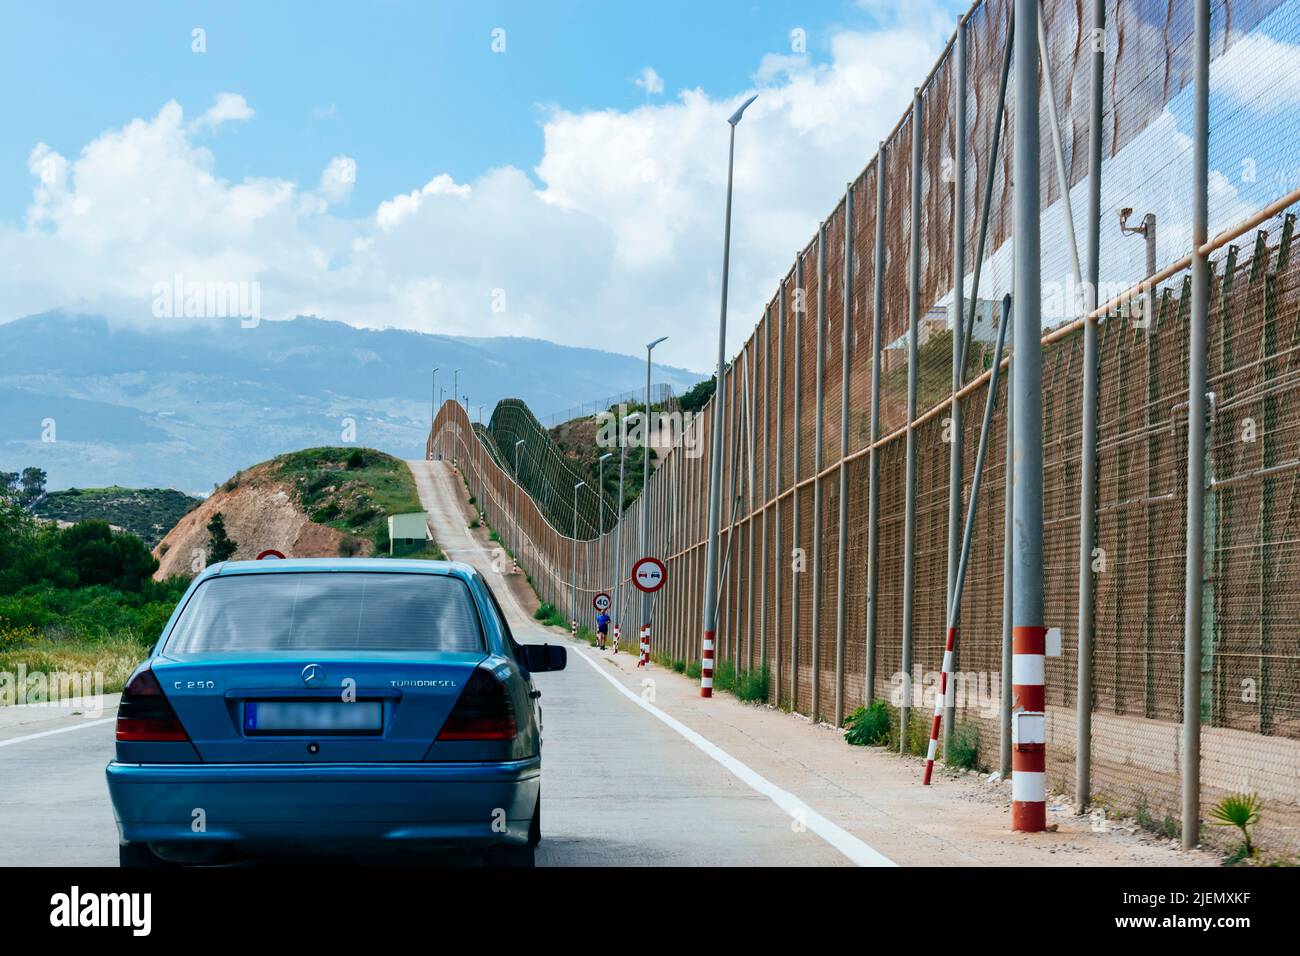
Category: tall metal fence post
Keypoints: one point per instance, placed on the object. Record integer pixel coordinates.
(799, 307)
(778, 575)
(913, 371)
(873, 464)
(955, 446)
(819, 399)
(762, 548)
(1008, 546)
(1028, 731)
(1196, 379)
(1088, 436)
(842, 533)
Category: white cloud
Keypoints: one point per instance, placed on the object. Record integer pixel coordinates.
(392, 211)
(650, 81)
(226, 108)
(339, 177)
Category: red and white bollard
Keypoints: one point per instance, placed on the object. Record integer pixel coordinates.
(514, 565)
(644, 659)
(574, 629)
(940, 701)
(615, 638)
(706, 666)
(1028, 729)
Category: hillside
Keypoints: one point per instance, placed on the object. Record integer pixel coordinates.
(319, 502)
(145, 512)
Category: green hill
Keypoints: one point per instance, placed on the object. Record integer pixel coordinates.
(148, 513)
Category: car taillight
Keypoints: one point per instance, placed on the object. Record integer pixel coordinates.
(484, 712)
(144, 713)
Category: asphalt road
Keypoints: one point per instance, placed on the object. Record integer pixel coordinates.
(620, 786)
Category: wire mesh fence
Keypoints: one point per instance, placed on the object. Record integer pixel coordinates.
(787, 611)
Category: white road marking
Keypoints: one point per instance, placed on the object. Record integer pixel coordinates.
(860, 852)
(61, 730)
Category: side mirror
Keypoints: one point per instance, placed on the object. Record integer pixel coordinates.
(544, 657)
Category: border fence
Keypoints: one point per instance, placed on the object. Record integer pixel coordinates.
(816, 423)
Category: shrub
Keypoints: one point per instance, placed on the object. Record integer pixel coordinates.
(693, 670)
(356, 460)
(753, 685)
(679, 666)
(869, 726)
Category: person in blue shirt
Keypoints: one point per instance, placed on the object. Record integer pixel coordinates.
(602, 629)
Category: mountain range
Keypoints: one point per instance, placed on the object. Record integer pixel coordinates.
(185, 403)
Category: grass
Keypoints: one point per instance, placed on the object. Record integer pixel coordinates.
(963, 747)
(112, 658)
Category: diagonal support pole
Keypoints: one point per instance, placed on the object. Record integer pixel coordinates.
(954, 610)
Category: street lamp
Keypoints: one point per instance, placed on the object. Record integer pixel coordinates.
(600, 507)
(482, 505)
(515, 497)
(715, 461)
(618, 536)
(645, 486)
(574, 606)
(1148, 231)
(455, 390)
(433, 399)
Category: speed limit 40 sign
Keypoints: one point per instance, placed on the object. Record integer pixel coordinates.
(601, 601)
(649, 575)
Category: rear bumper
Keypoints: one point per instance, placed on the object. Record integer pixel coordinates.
(318, 807)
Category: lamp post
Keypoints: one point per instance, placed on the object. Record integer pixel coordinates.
(433, 400)
(455, 391)
(482, 505)
(600, 507)
(618, 536)
(514, 506)
(645, 487)
(715, 458)
(574, 606)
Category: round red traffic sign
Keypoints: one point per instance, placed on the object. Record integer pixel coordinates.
(270, 553)
(601, 601)
(649, 575)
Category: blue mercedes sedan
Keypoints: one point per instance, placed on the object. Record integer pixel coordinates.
(332, 705)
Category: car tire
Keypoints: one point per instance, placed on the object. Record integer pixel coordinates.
(510, 855)
(535, 828)
(139, 855)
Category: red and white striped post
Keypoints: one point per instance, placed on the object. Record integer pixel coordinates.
(573, 624)
(644, 659)
(514, 565)
(706, 665)
(940, 701)
(1028, 729)
(615, 638)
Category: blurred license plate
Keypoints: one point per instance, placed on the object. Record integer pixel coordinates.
(313, 717)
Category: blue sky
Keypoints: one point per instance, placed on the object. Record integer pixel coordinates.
(408, 89)
(380, 164)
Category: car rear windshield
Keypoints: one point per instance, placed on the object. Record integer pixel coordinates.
(328, 611)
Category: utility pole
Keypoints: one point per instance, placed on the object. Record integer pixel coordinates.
(710, 623)
(1196, 384)
(573, 609)
(1028, 720)
(645, 488)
